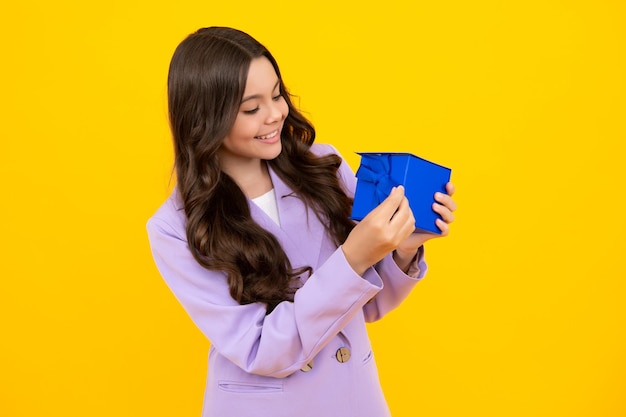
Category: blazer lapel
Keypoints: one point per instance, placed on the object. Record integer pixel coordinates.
(300, 233)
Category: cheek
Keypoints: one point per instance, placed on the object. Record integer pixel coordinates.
(243, 128)
(285, 109)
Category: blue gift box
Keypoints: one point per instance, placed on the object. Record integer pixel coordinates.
(380, 172)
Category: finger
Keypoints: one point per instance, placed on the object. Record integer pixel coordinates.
(409, 224)
(404, 215)
(390, 205)
(444, 212)
(443, 226)
(446, 200)
(450, 188)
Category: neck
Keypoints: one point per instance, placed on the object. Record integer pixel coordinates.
(253, 178)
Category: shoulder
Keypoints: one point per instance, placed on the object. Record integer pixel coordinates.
(345, 173)
(170, 217)
(320, 149)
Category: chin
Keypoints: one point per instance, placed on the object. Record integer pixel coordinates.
(274, 152)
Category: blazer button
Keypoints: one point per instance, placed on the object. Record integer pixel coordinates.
(307, 367)
(343, 354)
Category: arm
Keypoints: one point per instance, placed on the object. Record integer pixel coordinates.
(274, 345)
(405, 259)
(397, 283)
(397, 286)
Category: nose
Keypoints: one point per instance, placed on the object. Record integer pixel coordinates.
(277, 111)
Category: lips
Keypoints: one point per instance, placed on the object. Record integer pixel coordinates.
(268, 136)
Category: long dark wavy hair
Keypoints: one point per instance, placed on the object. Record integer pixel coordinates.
(206, 83)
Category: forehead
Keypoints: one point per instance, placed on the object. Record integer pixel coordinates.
(261, 76)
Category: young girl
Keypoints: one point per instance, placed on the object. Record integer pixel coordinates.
(257, 244)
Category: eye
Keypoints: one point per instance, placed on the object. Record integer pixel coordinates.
(278, 97)
(251, 111)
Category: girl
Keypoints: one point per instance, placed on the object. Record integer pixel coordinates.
(257, 244)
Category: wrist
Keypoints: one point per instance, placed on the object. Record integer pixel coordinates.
(404, 260)
(358, 267)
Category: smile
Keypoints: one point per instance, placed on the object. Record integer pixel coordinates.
(268, 136)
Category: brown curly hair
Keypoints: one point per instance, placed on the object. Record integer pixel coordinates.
(206, 82)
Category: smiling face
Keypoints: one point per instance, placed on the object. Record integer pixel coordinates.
(255, 135)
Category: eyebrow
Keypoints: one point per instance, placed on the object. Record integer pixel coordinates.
(259, 95)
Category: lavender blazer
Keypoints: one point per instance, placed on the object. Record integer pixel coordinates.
(290, 362)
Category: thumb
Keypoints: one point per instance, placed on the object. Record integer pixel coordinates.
(390, 204)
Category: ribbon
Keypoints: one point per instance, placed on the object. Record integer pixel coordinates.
(377, 171)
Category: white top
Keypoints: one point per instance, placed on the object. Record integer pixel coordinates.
(267, 203)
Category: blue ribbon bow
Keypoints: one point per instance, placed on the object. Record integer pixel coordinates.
(377, 170)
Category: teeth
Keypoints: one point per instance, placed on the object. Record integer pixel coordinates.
(271, 135)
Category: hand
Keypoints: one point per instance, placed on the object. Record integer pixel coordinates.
(380, 232)
(445, 207)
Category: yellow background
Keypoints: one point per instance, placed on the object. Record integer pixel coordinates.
(522, 313)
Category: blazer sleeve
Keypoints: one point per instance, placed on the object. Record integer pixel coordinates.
(275, 344)
(396, 284)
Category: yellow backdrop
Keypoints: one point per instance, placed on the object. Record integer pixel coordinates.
(522, 313)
